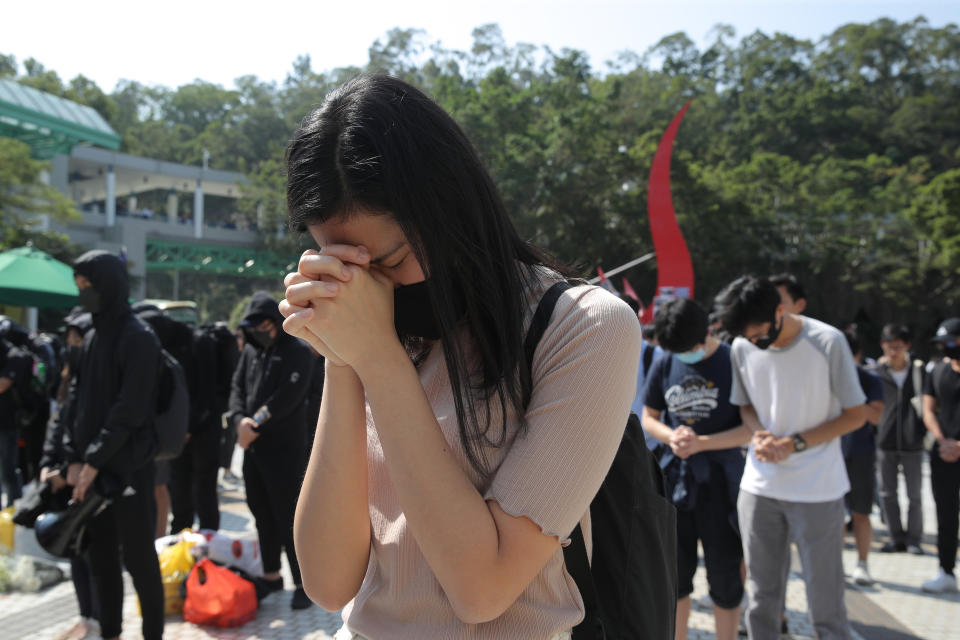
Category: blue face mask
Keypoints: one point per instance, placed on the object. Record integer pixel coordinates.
(692, 357)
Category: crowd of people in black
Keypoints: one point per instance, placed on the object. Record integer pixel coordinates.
(103, 379)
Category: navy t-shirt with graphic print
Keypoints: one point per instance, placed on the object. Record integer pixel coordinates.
(694, 395)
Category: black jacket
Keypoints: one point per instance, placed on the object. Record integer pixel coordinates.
(215, 356)
(15, 365)
(277, 377)
(53, 452)
(900, 428)
(116, 392)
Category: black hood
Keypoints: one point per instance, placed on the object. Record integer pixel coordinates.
(108, 275)
(262, 305)
(13, 332)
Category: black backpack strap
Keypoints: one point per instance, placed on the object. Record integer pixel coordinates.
(541, 318)
(575, 554)
(578, 566)
(647, 358)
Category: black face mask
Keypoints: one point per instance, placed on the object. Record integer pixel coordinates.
(952, 352)
(413, 313)
(772, 335)
(90, 299)
(259, 338)
(73, 357)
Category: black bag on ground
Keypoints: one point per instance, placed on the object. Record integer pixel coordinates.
(630, 590)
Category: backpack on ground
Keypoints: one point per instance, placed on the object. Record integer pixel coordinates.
(172, 415)
(630, 589)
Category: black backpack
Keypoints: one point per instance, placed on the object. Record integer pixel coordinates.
(630, 591)
(172, 415)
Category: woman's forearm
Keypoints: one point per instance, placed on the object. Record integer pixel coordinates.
(332, 523)
(467, 543)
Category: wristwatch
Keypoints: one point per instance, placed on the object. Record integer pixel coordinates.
(799, 444)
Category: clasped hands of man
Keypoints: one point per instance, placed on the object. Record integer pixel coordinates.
(770, 448)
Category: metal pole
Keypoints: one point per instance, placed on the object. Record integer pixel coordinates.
(110, 207)
(176, 285)
(625, 266)
(198, 211)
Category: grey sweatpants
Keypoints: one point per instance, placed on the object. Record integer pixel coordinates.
(767, 527)
(889, 464)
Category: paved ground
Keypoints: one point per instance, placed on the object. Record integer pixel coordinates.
(893, 609)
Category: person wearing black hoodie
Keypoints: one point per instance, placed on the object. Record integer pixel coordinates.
(268, 408)
(111, 443)
(177, 339)
(77, 324)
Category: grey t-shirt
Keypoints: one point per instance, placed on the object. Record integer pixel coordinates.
(795, 388)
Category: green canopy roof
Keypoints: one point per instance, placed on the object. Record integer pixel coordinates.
(31, 278)
(50, 124)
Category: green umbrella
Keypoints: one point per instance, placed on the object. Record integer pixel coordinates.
(31, 278)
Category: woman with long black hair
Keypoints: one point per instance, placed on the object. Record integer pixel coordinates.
(437, 497)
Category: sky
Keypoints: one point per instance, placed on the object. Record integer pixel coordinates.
(172, 43)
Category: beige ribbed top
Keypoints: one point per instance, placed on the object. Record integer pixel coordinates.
(584, 376)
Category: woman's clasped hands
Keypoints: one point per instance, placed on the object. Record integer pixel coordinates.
(340, 305)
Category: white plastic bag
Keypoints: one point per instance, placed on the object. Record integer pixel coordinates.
(235, 552)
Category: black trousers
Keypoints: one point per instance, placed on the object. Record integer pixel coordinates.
(83, 585)
(193, 481)
(273, 486)
(945, 481)
(125, 529)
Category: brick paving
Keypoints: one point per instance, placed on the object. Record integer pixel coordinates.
(893, 609)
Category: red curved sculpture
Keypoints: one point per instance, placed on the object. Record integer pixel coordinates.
(674, 268)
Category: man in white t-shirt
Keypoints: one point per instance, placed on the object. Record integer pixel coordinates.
(797, 388)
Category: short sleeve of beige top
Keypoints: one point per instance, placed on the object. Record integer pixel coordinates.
(584, 377)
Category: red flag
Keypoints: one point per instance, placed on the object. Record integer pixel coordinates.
(605, 282)
(628, 291)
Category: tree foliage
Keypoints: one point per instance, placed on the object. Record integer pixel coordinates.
(838, 160)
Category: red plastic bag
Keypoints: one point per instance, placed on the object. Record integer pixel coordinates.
(217, 596)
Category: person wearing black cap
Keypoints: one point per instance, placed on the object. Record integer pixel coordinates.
(268, 408)
(14, 376)
(110, 444)
(76, 325)
(941, 415)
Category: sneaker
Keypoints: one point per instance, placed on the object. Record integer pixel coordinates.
(861, 575)
(943, 583)
(271, 585)
(300, 599)
(893, 547)
(916, 550)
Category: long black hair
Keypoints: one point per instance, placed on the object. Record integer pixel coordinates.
(378, 145)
